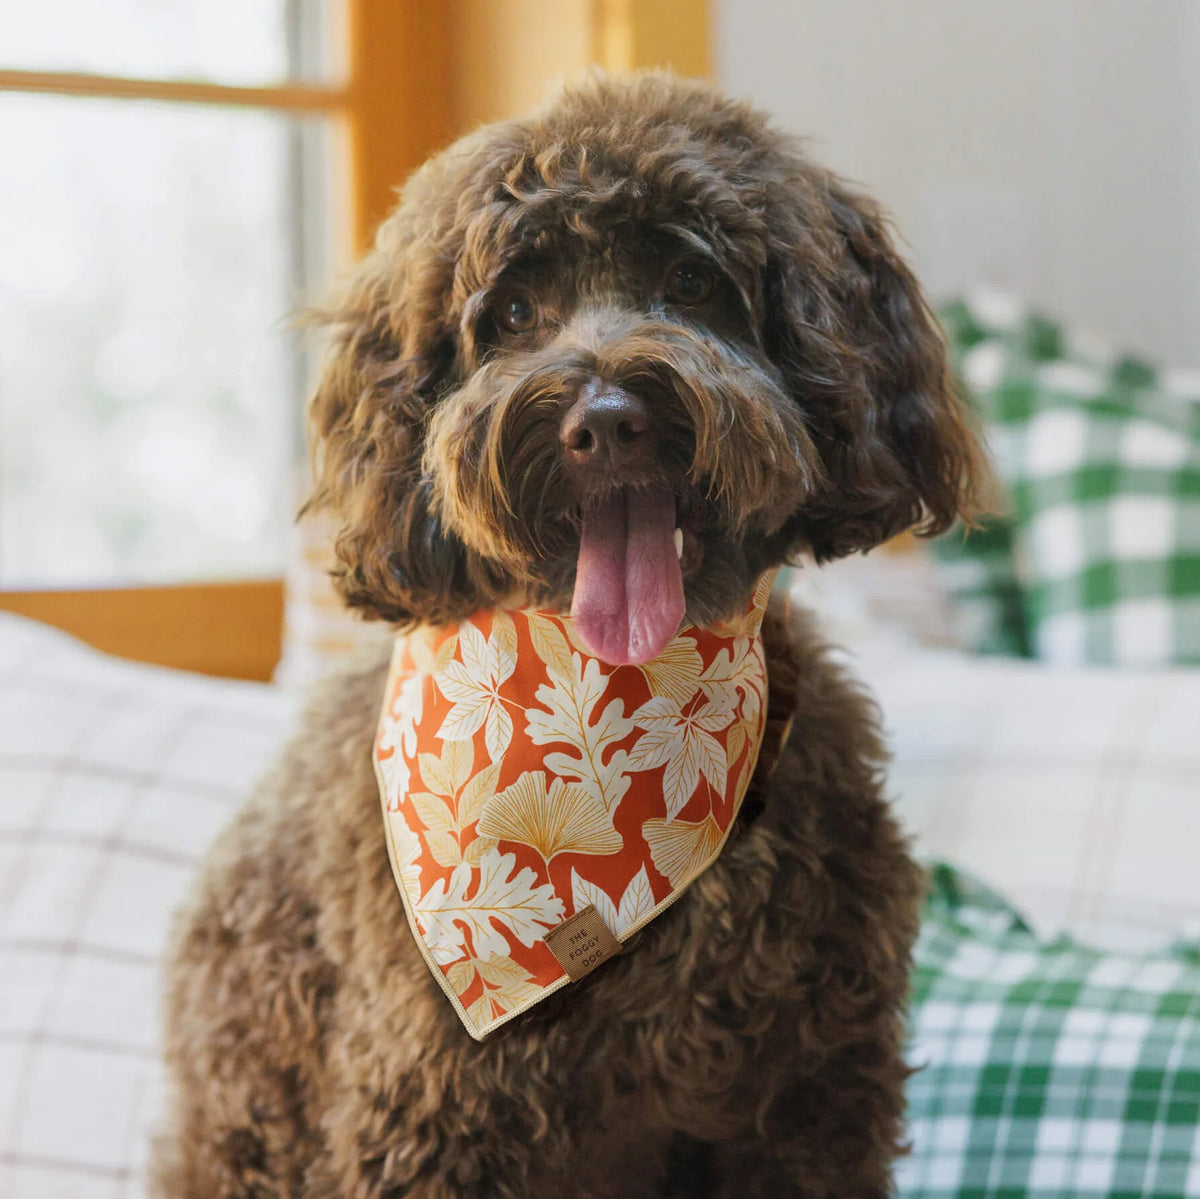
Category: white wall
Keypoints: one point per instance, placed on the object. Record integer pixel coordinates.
(1051, 147)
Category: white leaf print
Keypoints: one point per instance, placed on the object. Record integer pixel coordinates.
(737, 671)
(502, 648)
(638, 900)
(398, 732)
(685, 743)
(473, 649)
(585, 893)
(471, 703)
(473, 685)
(407, 846)
(570, 722)
(497, 731)
(522, 905)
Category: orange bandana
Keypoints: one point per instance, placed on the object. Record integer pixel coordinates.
(541, 806)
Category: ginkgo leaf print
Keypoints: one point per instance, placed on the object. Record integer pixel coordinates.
(636, 903)
(675, 673)
(680, 849)
(563, 819)
(572, 720)
(519, 903)
(684, 743)
(472, 685)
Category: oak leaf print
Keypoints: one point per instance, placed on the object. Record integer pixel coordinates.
(562, 819)
(398, 738)
(636, 903)
(685, 743)
(572, 721)
(407, 848)
(472, 685)
(735, 671)
(518, 902)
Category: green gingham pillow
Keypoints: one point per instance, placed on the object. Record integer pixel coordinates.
(1046, 1070)
(1098, 560)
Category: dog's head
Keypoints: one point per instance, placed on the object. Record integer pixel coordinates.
(623, 357)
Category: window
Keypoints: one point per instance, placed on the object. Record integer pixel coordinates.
(159, 220)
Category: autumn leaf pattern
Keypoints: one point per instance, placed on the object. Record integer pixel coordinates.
(503, 987)
(470, 902)
(563, 818)
(456, 800)
(523, 780)
(737, 673)
(473, 684)
(679, 849)
(636, 903)
(570, 715)
(685, 743)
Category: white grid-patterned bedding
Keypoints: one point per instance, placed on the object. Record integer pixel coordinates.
(1075, 793)
(113, 780)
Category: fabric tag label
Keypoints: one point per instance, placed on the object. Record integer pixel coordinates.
(582, 942)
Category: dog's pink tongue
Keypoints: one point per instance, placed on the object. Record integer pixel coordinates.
(628, 598)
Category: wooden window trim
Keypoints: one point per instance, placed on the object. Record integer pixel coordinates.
(398, 103)
(288, 97)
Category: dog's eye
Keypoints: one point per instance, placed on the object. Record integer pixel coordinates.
(518, 312)
(689, 283)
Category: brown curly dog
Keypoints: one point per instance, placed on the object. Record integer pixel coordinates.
(643, 286)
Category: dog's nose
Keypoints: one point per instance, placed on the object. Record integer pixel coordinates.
(607, 426)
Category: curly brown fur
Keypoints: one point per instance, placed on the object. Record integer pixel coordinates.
(748, 1041)
(753, 1027)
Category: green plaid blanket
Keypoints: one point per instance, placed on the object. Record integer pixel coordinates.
(1047, 1070)
(1098, 559)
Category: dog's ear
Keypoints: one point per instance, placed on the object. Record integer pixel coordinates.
(862, 354)
(392, 345)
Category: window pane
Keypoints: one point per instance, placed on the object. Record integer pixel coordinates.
(149, 390)
(221, 41)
